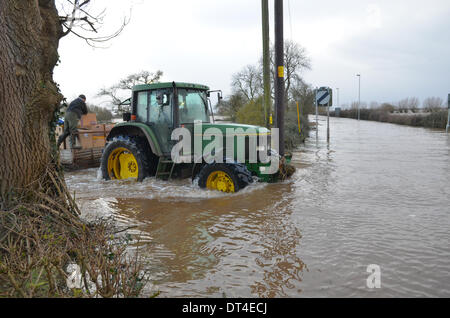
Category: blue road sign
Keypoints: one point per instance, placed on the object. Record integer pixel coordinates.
(323, 96)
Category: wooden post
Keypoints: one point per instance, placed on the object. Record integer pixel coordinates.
(279, 71)
(266, 62)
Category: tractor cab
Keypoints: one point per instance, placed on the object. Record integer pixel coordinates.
(166, 106)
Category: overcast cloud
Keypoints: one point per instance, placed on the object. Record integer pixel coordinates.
(401, 48)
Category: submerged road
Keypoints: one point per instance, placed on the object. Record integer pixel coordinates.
(378, 194)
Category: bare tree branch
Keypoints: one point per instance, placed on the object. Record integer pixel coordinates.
(113, 92)
(85, 24)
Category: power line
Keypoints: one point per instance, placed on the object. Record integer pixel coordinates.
(290, 19)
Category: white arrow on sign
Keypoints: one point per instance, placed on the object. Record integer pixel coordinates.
(322, 97)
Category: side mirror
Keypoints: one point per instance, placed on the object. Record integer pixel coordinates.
(219, 94)
(126, 116)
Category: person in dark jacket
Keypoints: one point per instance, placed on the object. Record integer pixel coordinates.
(73, 115)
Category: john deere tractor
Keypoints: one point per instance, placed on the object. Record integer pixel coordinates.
(142, 145)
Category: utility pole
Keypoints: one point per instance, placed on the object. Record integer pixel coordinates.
(359, 94)
(279, 71)
(266, 61)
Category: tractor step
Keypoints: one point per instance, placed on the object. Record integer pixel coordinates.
(165, 168)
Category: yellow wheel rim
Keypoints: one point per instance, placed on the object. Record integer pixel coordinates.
(122, 164)
(219, 180)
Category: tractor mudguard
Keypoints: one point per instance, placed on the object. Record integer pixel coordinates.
(137, 129)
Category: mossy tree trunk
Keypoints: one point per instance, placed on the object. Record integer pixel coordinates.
(29, 37)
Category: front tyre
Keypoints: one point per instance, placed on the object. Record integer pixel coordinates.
(227, 178)
(124, 158)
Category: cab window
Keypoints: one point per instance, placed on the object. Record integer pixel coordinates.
(142, 106)
(192, 106)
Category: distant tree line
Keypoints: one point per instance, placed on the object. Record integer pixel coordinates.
(406, 105)
(432, 114)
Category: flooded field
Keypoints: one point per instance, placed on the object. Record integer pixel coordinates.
(377, 194)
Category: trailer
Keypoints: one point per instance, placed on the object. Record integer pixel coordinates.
(90, 142)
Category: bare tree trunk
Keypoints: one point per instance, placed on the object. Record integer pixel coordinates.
(29, 37)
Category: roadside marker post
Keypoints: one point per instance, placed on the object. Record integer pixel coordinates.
(317, 115)
(328, 119)
(324, 98)
(448, 119)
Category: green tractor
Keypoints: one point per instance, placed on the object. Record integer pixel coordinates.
(143, 146)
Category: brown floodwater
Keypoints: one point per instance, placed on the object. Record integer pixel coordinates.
(376, 194)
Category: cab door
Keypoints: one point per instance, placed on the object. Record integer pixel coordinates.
(160, 117)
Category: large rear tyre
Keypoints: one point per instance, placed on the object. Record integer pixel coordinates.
(125, 158)
(223, 177)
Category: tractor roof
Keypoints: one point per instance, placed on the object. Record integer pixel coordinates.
(146, 87)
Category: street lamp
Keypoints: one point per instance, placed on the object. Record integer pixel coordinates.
(337, 89)
(448, 119)
(359, 94)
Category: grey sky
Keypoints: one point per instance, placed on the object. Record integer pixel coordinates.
(401, 48)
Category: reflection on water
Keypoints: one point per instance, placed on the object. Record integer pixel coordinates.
(377, 194)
